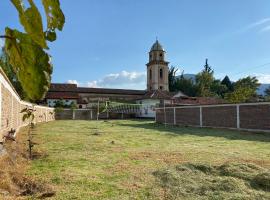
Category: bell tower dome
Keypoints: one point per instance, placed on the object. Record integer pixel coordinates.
(157, 69)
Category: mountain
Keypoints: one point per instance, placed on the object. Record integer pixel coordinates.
(262, 88)
(190, 76)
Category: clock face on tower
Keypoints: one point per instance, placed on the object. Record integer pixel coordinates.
(157, 68)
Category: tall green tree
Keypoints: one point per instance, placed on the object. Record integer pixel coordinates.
(226, 81)
(186, 85)
(172, 78)
(204, 80)
(244, 90)
(218, 89)
(27, 51)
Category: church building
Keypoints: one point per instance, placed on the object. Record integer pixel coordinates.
(156, 94)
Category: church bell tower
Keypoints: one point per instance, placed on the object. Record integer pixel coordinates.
(157, 69)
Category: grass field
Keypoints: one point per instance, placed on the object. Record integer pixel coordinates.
(135, 159)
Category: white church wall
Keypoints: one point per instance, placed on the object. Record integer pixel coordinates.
(148, 108)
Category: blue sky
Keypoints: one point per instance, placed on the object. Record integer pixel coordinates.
(105, 43)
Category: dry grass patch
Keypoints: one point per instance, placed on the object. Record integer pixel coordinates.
(14, 183)
(81, 164)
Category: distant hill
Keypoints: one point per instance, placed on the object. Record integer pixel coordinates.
(260, 90)
(190, 76)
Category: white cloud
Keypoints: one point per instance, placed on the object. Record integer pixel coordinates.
(124, 79)
(2, 43)
(263, 78)
(121, 80)
(267, 28)
(73, 82)
(256, 24)
(92, 84)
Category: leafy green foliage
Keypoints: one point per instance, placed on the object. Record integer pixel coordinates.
(226, 81)
(55, 18)
(172, 78)
(62, 104)
(31, 20)
(7, 68)
(30, 62)
(218, 89)
(181, 84)
(204, 81)
(244, 90)
(26, 51)
(28, 114)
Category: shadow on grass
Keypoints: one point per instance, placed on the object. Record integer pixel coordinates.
(213, 132)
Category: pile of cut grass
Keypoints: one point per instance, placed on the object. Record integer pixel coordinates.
(227, 181)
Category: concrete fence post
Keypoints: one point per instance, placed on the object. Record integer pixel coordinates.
(201, 121)
(174, 117)
(91, 114)
(73, 114)
(155, 115)
(237, 116)
(164, 115)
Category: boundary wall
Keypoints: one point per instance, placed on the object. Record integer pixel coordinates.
(11, 106)
(88, 114)
(245, 116)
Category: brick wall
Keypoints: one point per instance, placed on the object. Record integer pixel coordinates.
(187, 116)
(260, 116)
(223, 116)
(251, 116)
(11, 105)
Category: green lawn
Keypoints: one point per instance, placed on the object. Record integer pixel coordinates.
(124, 159)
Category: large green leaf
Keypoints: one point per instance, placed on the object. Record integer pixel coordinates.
(31, 20)
(55, 18)
(30, 62)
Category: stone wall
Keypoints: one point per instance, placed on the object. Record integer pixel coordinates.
(248, 116)
(11, 106)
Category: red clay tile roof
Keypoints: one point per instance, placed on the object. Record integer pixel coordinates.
(62, 95)
(61, 87)
(110, 91)
(198, 101)
(157, 94)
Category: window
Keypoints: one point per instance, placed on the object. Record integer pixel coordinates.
(160, 55)
(160, 73)
(150, 74)
(160, 87)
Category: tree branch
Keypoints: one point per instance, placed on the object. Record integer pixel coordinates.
(6, 36)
